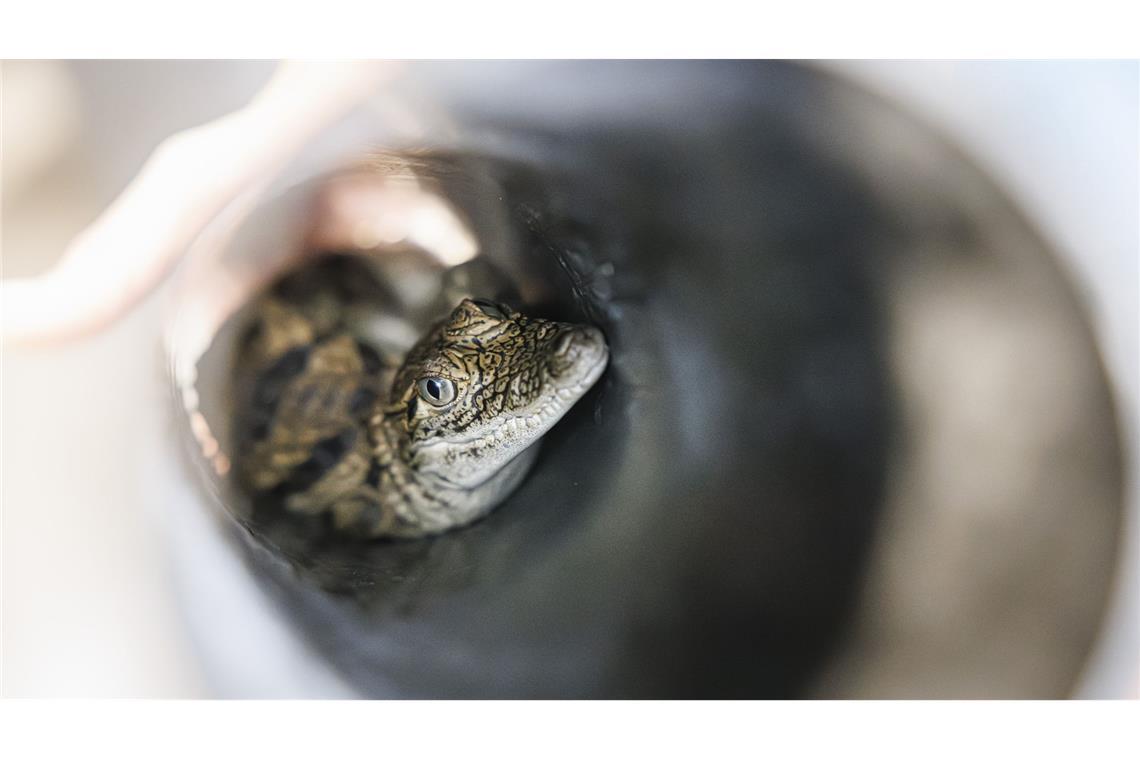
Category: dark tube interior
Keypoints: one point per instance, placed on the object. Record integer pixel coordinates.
(702, 523)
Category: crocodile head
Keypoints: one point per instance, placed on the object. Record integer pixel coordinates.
(482, 388)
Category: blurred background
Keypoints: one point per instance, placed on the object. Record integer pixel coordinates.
(94, 602)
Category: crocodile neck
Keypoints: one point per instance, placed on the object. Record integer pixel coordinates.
(414, 503)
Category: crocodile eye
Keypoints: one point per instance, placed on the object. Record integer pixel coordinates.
(490, 308)
(437, 391)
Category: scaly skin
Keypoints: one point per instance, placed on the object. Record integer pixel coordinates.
(431, 446)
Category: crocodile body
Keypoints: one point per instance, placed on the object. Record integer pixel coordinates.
(408, 448)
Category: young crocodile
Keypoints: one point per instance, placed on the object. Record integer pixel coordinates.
(410, 451)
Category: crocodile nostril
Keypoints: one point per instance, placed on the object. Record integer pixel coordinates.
(564, 344)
